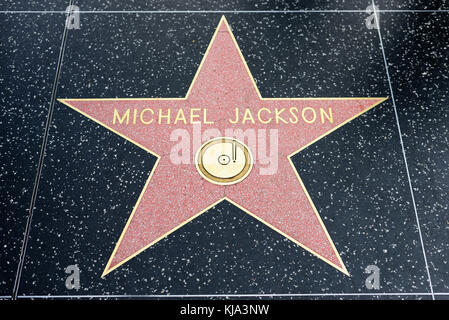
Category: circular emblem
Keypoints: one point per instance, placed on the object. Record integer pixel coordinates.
(224, 161)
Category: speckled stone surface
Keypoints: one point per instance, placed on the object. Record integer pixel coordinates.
(356, 176)
(257, 5)
(29, 49)
(417, 46)
(34, 5)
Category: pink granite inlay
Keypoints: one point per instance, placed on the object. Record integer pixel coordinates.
(176, 193)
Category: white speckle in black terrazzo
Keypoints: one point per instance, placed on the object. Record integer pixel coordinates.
(29, 48)
(241, 5)
(34, 5)
(417, 47)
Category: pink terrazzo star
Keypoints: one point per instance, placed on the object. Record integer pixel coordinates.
(175, 194)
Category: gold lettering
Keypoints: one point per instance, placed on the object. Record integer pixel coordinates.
(205, 117)
(180, 116)
(143, 112)
(278, 115)
(236, 117)
(117, 116)
(304, 115)
(260, 118)
(166, 116)
(194, 116)
(328, 116)
(247, 116)
(295, 117)
(134, 116)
